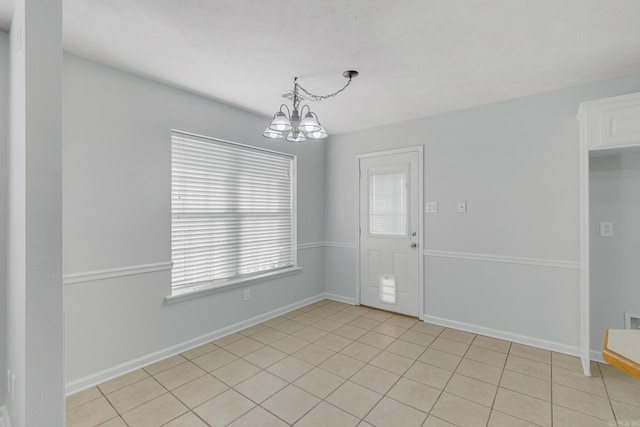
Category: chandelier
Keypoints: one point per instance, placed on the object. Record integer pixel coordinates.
(300, 127)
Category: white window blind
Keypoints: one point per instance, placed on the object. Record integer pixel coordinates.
(232, 209)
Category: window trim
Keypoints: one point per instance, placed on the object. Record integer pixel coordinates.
(230, 284)
(222, 285)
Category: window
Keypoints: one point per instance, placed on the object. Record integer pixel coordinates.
(232, 212)
(388, 203)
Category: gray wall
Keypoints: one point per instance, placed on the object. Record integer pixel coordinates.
(116, 214)
(508, 267)
(4, 136)
(615, 271)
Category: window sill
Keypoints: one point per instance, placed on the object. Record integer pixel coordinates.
(231, 284)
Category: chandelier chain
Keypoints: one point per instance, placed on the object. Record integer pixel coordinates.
(323, 97)
(299, 125)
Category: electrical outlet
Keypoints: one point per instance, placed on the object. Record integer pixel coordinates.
(606, 229)
(431, 207)
(247, 294)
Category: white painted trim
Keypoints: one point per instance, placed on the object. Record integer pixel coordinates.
(294, 202)
(5, 421)
(89, 276)
(116, 371)
(303, 246)
(585, 316)
(391, 152)
(420, 150)
(340, 298)
(249, 147)
(503, 335)
(357, 223)
(609, 102)
(421, 231)
(573, 265)
(240, 282)
(598, 118)
(340, 245)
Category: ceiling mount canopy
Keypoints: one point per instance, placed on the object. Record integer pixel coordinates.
(299, 126)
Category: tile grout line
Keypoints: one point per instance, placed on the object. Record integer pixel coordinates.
(606, 389)
(551, 392)
(452, 373)
(499, 382)
(118, 415)
(526, 395)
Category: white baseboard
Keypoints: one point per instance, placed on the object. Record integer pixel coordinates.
(108, 374)
(340, 298)
(503, 335)
(4, 417)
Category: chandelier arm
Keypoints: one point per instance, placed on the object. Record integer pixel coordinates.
(308, 108)
(316, 116)
(322, 97)
(288, 111)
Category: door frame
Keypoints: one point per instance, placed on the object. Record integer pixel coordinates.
(420, 150)
(584, 281)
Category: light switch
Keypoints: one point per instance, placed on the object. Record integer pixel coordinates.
(606, 229)
(431, 207)
(462, 207)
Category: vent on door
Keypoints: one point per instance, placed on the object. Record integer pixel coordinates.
(388, 288)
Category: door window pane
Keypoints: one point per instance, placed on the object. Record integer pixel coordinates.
(388, 203)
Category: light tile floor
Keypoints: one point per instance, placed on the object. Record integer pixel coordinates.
(330, 364)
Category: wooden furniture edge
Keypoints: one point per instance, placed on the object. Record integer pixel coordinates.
(617, 361)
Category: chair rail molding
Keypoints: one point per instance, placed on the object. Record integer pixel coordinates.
(130, 270)
(310, 245)
(552, 263)
(340, 245)
(90, 276)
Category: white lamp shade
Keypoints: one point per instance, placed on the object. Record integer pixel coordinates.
(273, 134)
(280, 123)
(296, 136)
(309, 123)
(319, 134)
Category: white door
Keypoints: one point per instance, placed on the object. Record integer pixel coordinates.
(389, 232)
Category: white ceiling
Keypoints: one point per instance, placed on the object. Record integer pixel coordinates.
(415, 57)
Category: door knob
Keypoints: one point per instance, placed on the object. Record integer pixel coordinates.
(414, 245)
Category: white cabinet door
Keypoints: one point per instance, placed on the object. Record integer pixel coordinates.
(611, 122)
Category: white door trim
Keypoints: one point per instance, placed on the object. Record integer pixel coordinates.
(420, 150)
(585, 315)
(597, 134)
